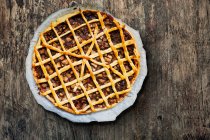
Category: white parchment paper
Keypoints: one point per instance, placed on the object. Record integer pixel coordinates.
(101, 116)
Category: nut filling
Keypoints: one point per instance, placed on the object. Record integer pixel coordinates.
(86, 62)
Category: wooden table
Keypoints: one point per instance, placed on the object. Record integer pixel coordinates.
(175, 99)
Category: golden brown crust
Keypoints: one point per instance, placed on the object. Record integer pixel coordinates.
(85, 62)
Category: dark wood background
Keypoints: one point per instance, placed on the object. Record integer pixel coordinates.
(175, 99)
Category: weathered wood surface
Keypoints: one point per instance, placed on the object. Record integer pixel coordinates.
(175, 99)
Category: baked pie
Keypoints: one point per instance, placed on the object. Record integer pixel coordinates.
(85, 62)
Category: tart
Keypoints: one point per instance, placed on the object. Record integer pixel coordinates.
(85, 62)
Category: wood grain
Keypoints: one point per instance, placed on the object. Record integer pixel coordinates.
(174, 102)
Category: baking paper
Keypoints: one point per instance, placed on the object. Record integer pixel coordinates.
(101, 116)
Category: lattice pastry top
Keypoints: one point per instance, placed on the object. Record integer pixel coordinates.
(85, 62)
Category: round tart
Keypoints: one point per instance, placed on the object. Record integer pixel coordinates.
(85, 62)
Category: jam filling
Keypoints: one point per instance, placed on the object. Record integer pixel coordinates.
(102, 78)
(53, 52)
(75, 59)
(112, 100)
(81, 103)
(86, 71)
(108, 22)
(86, 47)
(103, 42)
(93, 26)
(68, 41)
(56, 44)
(95, 96)
(68, 105)
(109, 57)
(121, 85)
(49, 35)
(134, 61)
(83, 34)
(114, 76)
(122, 96)
(115, 37)
(43, 87)
(127, 66)
(50, 68)
(130, 49)
(107, 91)
(131, 77)
(61, 62)
(127, 35)
(61, 94)
(121, 53)
(88, 83)
(62, 28)
(76, 20)
(51, 95)
(38, 72)
(74, 89)
(68, 76)
(94, 66)
(78, 68)
(89, 15)
(43, 53)
(117, 67)
(94, 50)
(101, 105)
(56, 81)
